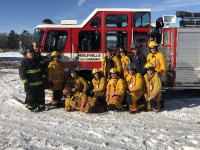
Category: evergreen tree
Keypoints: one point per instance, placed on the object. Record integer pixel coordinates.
(12, 42)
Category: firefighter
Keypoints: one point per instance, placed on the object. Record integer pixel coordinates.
(110, 61)
(115, 91)
(153, 90)
(74, 81)
(99, 86)
(37, 54)
(55, 75)
(81, 102)
(157, 58)
(159, 23)
(135, 86)
(32, 75)
(125, 60)
(137, 58)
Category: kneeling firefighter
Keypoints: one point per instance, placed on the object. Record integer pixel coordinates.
(99, 86)
(135, 86)
(81, 102)
(153, 90)
(115, 91)
(74, 81)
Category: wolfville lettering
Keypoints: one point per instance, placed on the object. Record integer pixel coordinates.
(89, 55)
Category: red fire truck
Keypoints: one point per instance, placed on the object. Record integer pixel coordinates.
(83, 45)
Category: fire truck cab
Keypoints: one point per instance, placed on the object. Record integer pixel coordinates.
(83, 45)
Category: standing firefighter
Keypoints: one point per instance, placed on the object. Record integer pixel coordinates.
(135, 86)
(55, 76)
(125, 60)
(137, 58)
(153, 90)
(75, 82)
(99, 86)
(110, 61)
(115, 91)
(157, 58)
(37, 54)
(32, 75)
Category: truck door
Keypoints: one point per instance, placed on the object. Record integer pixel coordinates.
(188, 56)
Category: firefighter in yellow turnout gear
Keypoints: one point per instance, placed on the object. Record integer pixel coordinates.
(110, 61)
(125, 60)
(153, 90)
(135, 86)
(157, 59)
(81, 102)
(115, 91)
(55, 76)
(99, 86)
(75, 82)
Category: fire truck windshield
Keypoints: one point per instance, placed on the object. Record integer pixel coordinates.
(56, 40)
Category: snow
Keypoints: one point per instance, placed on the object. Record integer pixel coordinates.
(176, 127)
(11, 54)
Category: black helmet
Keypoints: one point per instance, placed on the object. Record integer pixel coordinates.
(72, 70)
(28, 50)
(121, 49)
(108, 51)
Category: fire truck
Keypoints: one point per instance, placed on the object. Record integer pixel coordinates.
(83, 45)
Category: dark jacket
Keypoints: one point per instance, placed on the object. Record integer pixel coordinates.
(139, 61)
(39, 57)
(31, 72)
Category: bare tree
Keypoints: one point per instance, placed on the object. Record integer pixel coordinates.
(26, 38)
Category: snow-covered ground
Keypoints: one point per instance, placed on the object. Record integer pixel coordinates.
(176, 127)
(11, 54)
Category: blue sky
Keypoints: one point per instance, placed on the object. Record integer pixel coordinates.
(19, 15)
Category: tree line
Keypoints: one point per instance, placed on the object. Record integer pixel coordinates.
(11, 41)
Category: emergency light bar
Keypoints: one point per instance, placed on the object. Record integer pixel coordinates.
(184, 14)
(184, 23)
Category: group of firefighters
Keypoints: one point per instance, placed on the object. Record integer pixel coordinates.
(123, 83)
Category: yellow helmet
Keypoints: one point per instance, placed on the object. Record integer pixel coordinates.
(148, 65)
(113, 70)
(54, 53)
(34, 44)
(95, 70)
(152, 44)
